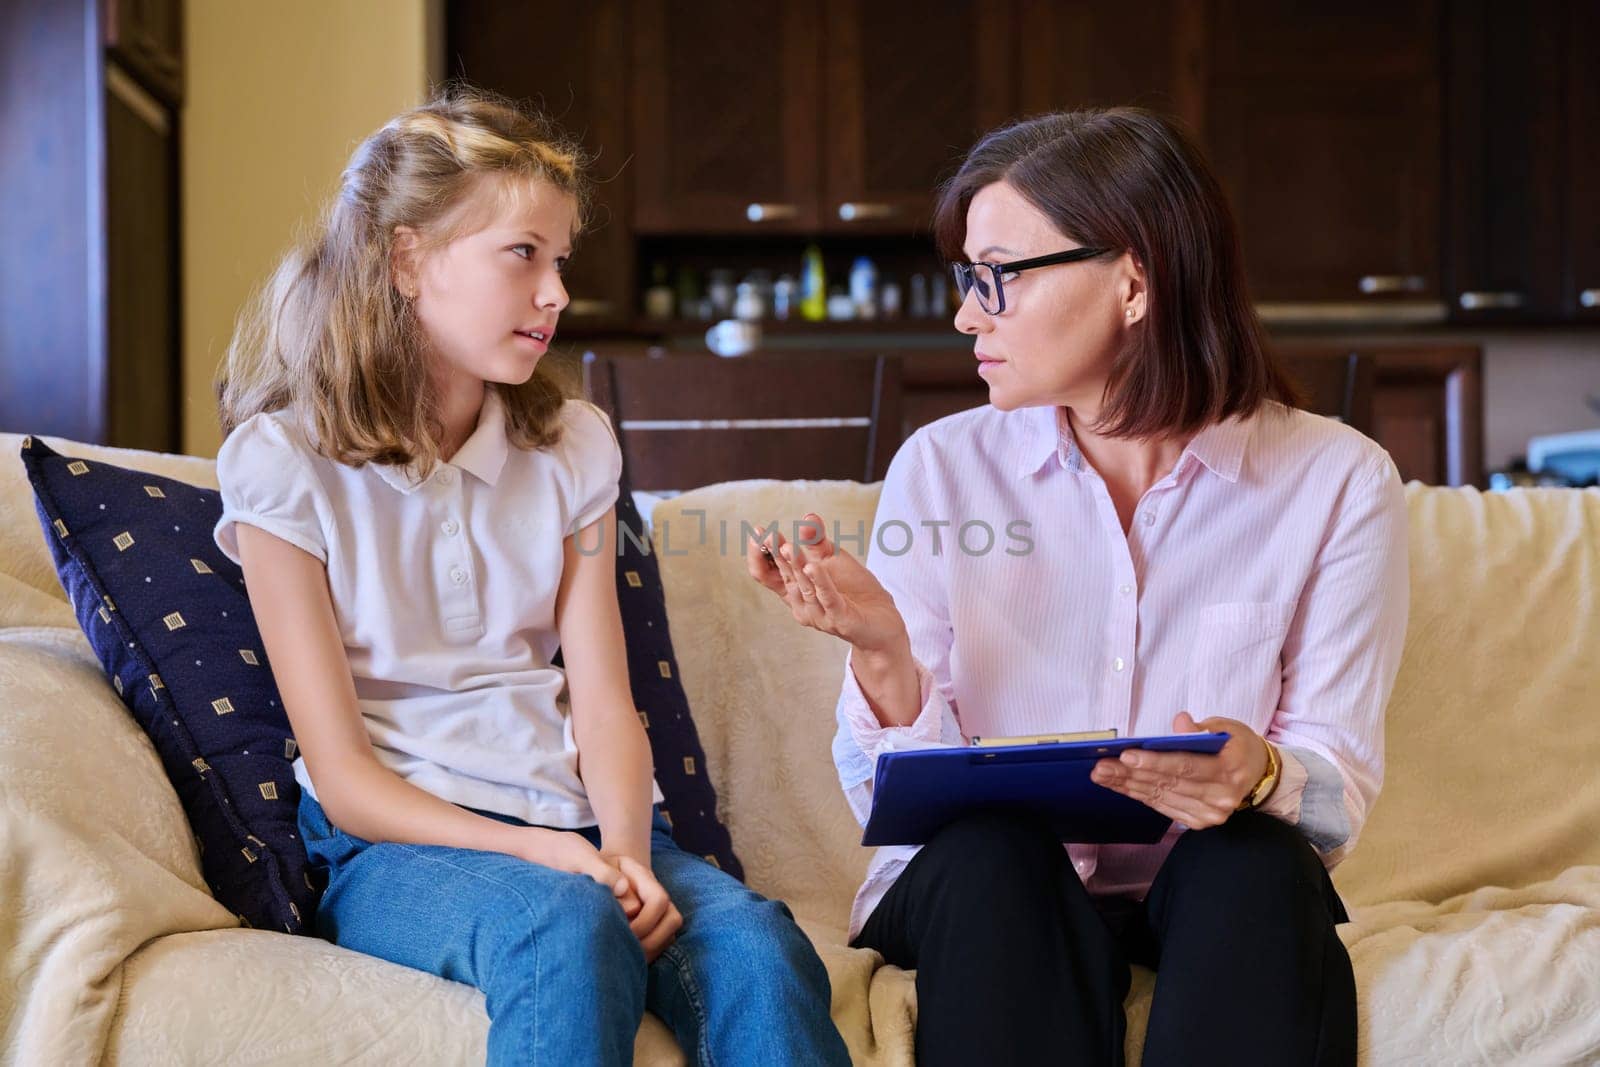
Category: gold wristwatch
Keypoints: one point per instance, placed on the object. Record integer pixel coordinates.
(1268, 782)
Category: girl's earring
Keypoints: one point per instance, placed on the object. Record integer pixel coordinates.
(1130, 314)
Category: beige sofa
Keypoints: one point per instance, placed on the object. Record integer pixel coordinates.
(1475, 889)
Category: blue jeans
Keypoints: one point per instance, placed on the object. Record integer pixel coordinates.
(564, 978)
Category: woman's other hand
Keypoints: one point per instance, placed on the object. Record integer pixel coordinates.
(1192, 788)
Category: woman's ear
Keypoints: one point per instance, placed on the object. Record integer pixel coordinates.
(405, 261)
(1134, 289)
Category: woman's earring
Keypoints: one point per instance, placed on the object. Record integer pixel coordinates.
(1130, 314)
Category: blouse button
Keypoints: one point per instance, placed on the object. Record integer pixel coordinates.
(1149, 518)
(458, 575)
(1117, 664)
(446, 476)
(1125, 590)
(449, 527)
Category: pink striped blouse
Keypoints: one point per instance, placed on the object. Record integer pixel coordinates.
(1263, 579)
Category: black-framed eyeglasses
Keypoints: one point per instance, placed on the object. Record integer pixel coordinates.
(986, 277)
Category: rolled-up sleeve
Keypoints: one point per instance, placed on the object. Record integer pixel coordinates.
(915, 578)
(1339, 665)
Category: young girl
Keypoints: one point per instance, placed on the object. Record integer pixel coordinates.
(406, 489)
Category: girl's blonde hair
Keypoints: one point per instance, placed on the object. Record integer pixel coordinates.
(332, 340)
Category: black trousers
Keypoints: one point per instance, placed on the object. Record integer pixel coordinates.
(1017, 964)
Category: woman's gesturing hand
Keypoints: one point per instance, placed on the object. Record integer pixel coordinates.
(826, 588)
(1191, 788)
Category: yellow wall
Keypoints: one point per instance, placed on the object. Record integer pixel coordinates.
(278, 95)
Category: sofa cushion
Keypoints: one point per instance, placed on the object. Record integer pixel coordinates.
(167, 615)
(1492, 733)
(98, 858)
(244, 996)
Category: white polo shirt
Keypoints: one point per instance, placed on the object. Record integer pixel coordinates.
(445, 593)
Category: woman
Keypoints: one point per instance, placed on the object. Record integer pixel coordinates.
(1186, 552)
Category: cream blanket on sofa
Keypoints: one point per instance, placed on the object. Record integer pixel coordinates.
(113, 951)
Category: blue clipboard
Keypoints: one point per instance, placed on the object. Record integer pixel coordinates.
(915, 793)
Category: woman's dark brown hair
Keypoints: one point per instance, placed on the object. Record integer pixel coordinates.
(1127, 178)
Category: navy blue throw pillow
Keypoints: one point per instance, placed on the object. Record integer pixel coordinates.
(166, 613)
(689, 800)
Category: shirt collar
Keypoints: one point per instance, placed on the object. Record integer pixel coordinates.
(1220, 446)
(483, 455)
(1046, 432)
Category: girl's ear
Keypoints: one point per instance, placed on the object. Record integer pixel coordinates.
(405, 261)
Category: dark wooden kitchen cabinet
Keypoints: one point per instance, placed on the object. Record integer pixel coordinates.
(1383, 160)
(1506, 152)
(1323, 124)
(837, 118)
(907, 88)
(582, 85)
(1581, 293)
(1092, 53)
(726, 112)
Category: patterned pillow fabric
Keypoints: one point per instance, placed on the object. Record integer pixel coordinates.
(167, 615)
(689, 800)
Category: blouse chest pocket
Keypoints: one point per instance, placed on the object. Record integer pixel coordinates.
(1236, 661)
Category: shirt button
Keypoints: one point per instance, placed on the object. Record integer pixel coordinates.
(449, 527)
(1149, 518)
(459, 576)
(1125, 590)
(1117, 664)
(446, 476)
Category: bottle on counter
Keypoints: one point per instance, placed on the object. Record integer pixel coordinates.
(840, 307)
(889, 298)
(785, 292)
(864, 288)
(919, 296)
(939, 296)
(688, 294)
(748, 304)
(659, 299)
(813, 285)
(720, 290)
